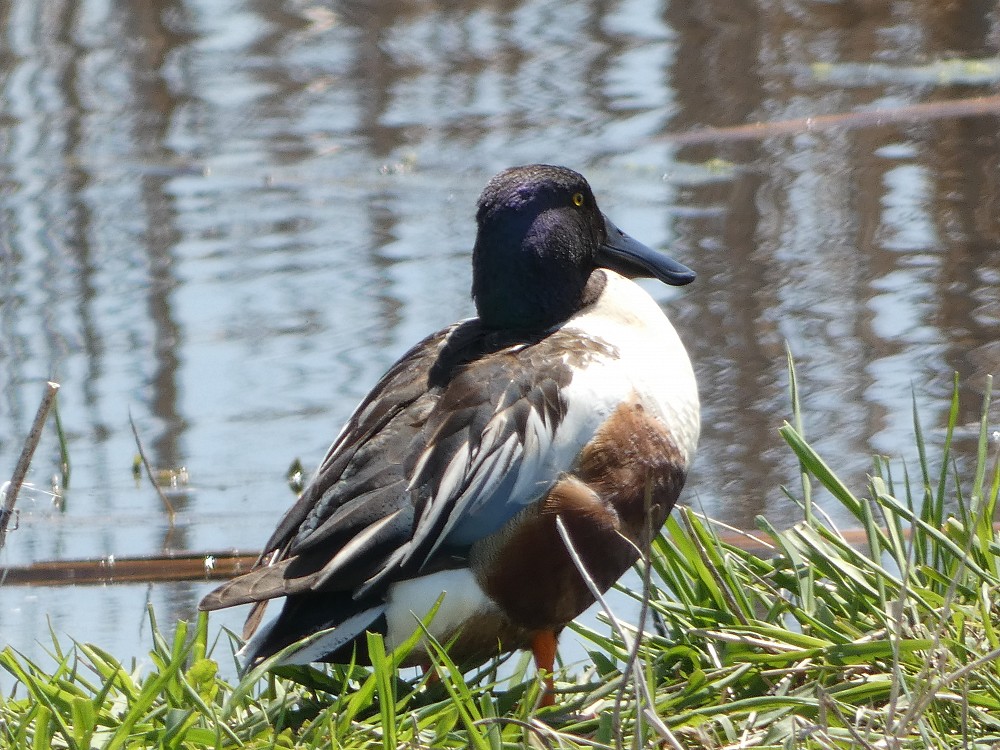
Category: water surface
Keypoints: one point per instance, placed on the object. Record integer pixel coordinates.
(228, 218)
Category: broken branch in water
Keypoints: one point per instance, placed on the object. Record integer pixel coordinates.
(952, 108)
(193, 566)
(21, 469)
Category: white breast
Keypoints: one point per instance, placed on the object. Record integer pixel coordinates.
(651, 362)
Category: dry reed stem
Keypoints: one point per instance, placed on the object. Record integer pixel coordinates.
(24, 461)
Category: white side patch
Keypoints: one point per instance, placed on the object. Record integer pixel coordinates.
(410, 601)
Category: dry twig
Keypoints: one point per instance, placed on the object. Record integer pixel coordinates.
(171, 513)
(21, 469)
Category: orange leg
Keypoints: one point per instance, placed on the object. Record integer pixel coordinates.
(433, 678)
(543, 647)
(427, 670)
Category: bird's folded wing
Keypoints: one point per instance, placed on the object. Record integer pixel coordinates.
(419, 473)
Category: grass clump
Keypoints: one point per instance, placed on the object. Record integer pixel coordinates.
(819, 638)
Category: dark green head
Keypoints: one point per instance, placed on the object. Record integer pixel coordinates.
(541, 235)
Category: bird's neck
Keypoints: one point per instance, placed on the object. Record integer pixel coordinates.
(524, 289)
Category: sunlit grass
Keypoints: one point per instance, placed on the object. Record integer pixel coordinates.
(827, 640)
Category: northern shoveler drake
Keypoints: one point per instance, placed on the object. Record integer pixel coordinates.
(569, 396)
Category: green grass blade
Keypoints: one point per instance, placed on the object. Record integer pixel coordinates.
(384, 672)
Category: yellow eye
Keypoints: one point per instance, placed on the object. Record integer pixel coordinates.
(577, 199)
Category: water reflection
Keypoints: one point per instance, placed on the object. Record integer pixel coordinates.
(229, 218)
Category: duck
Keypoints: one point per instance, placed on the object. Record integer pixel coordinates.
(504, 467)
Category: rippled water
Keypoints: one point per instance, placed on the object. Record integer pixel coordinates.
(229, 217)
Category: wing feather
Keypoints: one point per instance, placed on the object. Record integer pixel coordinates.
(452, 442)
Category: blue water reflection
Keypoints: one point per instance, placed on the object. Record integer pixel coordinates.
(229, 218)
